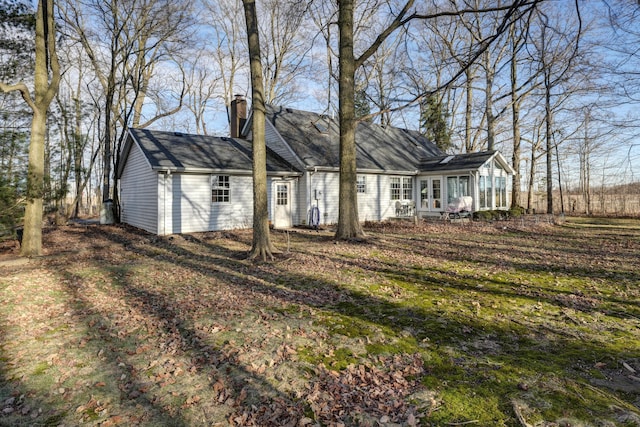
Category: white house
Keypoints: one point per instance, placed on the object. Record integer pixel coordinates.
(178, 183)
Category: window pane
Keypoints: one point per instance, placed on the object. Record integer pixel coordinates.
(482, 191)
(424, 193)
(220, 189)
(452, 188)
(407, 188)
(437, 194)
(282, 195)
(361, 184)
(395, 188)
(463, 185)
(503, 191)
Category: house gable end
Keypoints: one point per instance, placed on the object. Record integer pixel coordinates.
(276, 143)
(130, 143)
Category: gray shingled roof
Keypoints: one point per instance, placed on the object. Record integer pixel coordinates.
(187, 152)
(468, 161)
(315, 140)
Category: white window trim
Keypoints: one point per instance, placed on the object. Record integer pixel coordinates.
(226, 188)
(361, 186)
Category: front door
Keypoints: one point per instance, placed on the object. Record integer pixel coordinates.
(282, 211)
(431, 194)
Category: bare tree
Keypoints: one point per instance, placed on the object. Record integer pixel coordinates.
(261, 246)
(78, 115)
(202, 86)
(284, 49)
(521, 86)
(230, 43)
(556, 52)
(45, 88)
(133, 38)
(348, 225)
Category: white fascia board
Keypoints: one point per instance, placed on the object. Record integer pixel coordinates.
(504, 163)
(207, 171)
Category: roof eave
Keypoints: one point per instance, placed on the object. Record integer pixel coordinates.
(173, 169)
(447, 171)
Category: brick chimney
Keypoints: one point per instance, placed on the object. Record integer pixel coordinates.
(238, 116)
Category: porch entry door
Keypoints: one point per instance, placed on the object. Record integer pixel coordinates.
(282, 211)
(431, 194)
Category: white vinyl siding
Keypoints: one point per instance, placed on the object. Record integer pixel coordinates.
(302, 200)
(189, 208)
(324, 188)
(369, 202)
(139, 193)
(377, 204)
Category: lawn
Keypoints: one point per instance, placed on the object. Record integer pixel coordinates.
(503, 324)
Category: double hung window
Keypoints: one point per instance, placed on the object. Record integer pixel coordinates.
(220, 189)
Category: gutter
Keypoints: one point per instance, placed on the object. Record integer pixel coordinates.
(170, 170)
(314, 169)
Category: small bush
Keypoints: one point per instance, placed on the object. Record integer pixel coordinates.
(483, 215)
(516, 211)
(494, 215)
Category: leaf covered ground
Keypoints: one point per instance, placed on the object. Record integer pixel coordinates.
(511, 324)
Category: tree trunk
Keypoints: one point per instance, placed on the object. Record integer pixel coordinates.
(106, 159)
(488, 93)
(78, 149)
(549, 146)
(468, 113)
(532, 177)
(261, 245)
(348, 225)
(515, 122)
(32, 235)
(44, 90)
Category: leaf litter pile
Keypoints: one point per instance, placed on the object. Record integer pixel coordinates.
(433, 325)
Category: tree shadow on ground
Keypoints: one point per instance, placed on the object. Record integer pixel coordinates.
(307, 289)
(19, 404)
(501, 259)
(174, 330)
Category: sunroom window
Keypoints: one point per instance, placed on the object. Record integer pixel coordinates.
(501, 192)
(457, 186)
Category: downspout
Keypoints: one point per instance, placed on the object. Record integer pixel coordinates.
(310, 190)
(164, 203)
(475, 179)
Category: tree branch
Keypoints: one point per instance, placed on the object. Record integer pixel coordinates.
(24, 91)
